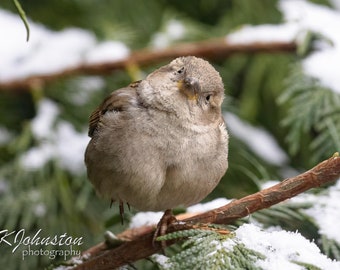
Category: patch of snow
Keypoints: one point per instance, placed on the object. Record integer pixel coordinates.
(288, 172)
(161, 260)
(49, 51)
(45, 118)
(61, 142)
(301, 16)
(257, 139)
(320, 64)
(174, 30)
(151, 218)
(13, 47)
(56, 51)
(38, 156)
(70, 146)
(325, 211)
(263, 33)
(203, 207)
(46, 52)
(282, 248)
(145, 219)
(107, 51)
(269, 184)
(324, 65)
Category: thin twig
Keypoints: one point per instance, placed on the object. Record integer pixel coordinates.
(23, 17)
(214, 49)
(141, 245)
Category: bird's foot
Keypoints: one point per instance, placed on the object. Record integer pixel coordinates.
(167, 219)
(121, 209)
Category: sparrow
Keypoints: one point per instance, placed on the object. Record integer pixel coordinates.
(161, 142)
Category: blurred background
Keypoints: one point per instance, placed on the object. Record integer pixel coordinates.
(282, 106)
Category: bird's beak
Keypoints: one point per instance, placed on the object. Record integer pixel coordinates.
(190, 87)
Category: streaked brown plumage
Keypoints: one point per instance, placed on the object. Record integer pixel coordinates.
(160, 142)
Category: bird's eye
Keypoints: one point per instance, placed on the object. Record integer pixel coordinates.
(180, 71)
(207, 98)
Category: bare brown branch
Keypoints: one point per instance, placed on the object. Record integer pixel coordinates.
(141, 245)
(325, 172)
(210, 49)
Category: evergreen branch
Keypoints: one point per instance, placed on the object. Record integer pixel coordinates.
(141, 245)
(313, 115)
(218, 48)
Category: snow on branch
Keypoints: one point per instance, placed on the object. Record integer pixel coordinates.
(215, 49)
(137, 243)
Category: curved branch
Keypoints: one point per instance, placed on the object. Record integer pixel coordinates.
(141, 245)
(209, 49)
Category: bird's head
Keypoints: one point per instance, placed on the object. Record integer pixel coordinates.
(188, 86)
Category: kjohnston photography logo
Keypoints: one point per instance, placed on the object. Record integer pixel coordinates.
(61, 245)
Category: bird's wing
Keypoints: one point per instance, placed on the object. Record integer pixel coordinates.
(117, 101)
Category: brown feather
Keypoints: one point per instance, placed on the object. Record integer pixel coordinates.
(114, 102)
